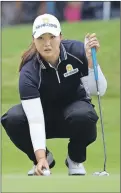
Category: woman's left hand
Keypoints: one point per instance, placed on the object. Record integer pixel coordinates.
(91, 41)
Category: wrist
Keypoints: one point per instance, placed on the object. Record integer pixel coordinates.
(40, 154)
(90, 64)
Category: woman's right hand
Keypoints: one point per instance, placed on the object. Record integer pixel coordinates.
(42, 164)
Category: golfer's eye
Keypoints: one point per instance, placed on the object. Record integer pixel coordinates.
(40, 38)
(52, 37)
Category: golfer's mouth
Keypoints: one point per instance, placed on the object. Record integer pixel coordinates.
(48, 50)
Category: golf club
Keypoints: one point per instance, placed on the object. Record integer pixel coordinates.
(103, 173)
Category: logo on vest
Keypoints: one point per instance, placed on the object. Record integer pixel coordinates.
(70, 70)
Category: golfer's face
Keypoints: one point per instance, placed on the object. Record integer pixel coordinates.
(48, 45)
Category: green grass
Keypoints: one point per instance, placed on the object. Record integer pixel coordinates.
(61, 183)
(15, 164)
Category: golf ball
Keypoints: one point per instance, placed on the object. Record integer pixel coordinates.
(46, 172)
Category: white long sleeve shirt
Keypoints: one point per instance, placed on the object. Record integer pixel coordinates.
(90, 84)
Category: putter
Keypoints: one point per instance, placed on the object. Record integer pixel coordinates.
(94, 60)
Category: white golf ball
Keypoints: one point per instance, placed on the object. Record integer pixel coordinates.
(46, 172)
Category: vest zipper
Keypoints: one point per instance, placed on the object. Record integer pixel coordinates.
(57, 75)
(56, 69)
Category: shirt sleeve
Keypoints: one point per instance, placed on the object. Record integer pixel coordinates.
(28, 86)
(90, 84)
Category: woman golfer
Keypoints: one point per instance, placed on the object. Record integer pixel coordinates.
(55, 84)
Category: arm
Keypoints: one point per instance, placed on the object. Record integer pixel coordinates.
(90, 84)
(89, 81)
(35, 116)
(31, 103)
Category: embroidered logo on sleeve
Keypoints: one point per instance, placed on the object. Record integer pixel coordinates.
(70, 70)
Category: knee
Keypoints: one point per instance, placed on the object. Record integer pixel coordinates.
(92, 116)
(91, 135)
(13, 117)
(84, 116)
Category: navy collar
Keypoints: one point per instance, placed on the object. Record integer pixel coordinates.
(63, 53)
(63, 56)
(41, 61)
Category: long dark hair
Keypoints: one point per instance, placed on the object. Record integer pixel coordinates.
(27, 54)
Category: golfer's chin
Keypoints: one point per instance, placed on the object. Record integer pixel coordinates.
(48, 55)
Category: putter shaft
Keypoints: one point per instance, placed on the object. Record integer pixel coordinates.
(102, 125)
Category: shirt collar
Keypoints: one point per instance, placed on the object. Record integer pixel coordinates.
(41, 61)
(63, 53)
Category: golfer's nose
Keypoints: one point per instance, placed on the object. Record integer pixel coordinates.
(47, 43)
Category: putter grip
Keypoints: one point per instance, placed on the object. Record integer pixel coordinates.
(94, 60)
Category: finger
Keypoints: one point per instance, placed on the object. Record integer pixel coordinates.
(87, 35)
(94, 42)
(93, 39)
(39, 168)
(92, 35)
(87, 45)
(36, 172)
(95, 45)
(47, 166)
(40, 171)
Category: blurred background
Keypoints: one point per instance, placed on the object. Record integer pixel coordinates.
(20, 12)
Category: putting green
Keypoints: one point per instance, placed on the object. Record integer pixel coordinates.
(60, 183)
